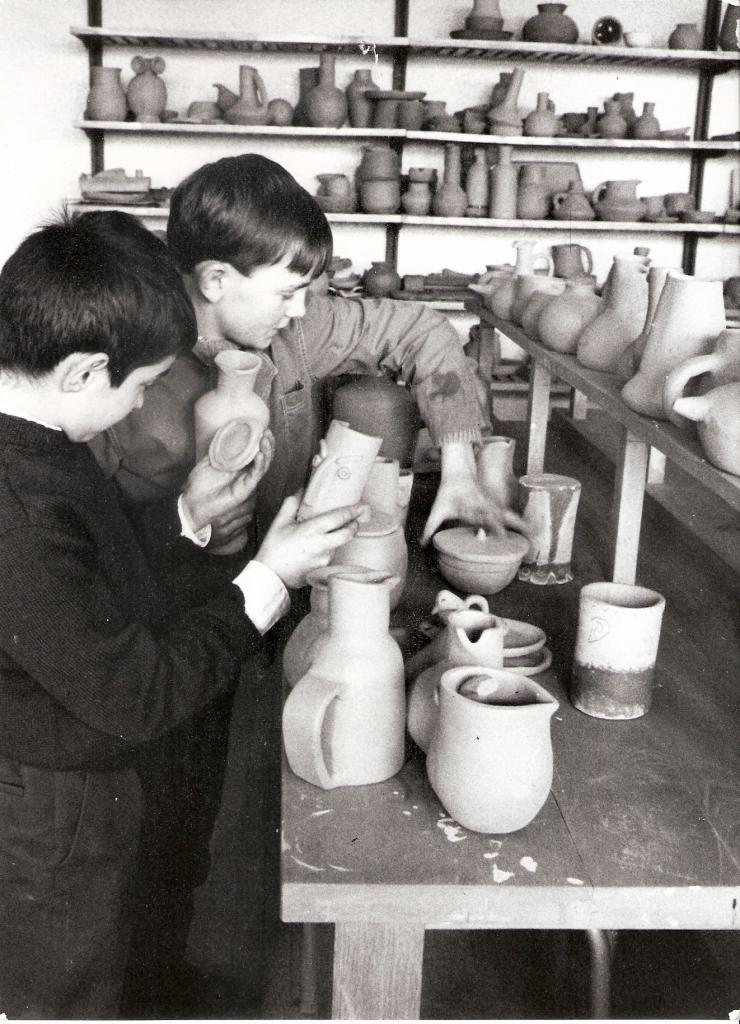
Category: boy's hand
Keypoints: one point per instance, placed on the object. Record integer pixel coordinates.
(291, 549)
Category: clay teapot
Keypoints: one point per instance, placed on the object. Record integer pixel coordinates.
(251, 107)
(716, 368)
(717, 415)
(617, 201)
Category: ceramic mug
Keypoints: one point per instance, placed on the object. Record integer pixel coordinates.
(616, 647)
(548, 503)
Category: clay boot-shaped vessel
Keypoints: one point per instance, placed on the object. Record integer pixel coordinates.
(326, 106)
(451, 199)
(505, 119)
(343, 722)
(689, 316)
(603, 341)
(146, 92)
(629, 361)
(504, 186)
(232, 398)
(720, 366)
(490, 760)
(251, 107)
(561, 323)
(717, 415)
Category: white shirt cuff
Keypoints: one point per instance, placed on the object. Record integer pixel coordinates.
(265, 596)
(199, 537)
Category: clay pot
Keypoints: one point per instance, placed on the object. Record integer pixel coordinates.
(379, 544)
(561, 323)
(573, 122)
(551, 25)
(381, 279)
(548, 503)
(475, 121)
(308, 79)
(689, 317)
(451, 199)
(379, 162)
(717, 415)
(612, 124)
(146, 93)
(617, 201)
(380, 196)
(410, 115)
(676, 203)
(376, 403)
(251, 107)
(495, 470)
(728, 33)
(280, 112)
(505, 118)
(527, 259)
(477, 181)
(474, 562)
(526, 286)
(232, 398)
(360, 105)
(719, 367)
(490, 758)
(385, 112)
(533, 195)
(106, 100)
(326, 106)
(621, 319)
(685, 36)
(433, 109)
(417, 199)
(572, 260)
(359, 674)
(647, 125)
(546, 291)
(504, 190)
(542, 121)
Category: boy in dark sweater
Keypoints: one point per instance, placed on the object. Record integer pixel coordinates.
(93, 664)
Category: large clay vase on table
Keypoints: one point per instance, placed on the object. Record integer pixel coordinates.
(505, 118)
(729, 33)
(546, 291)
(326, 106)
(251, 107)
(550, 25)
(360, 106)
(717, 415)
(343, 723)
(629, 361)
(451, 200)
(689, 317)
(146, 93)
(718, 367)
(490, 760)
(377, 404)
(607, 337)
(232, 398)
(562, 321)
(504, 186)
(106, 100)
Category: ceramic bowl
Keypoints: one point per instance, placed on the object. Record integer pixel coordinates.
(529, 664)
(641, 39)
(522, 638)
(476, 563)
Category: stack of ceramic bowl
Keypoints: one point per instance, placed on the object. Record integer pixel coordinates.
(379, 178)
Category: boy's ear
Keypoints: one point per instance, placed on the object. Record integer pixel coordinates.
(210, 278)
(79, 370)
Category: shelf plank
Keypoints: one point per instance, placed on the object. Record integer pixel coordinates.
(275, 42)
(180, 128)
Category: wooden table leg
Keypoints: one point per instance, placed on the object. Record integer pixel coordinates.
(377, 971)
(538, 410)
(629, 492)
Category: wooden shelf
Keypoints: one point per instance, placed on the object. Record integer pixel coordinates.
(184, 39)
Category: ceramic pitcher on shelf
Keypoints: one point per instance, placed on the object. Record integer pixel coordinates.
(527, 259)
(251, 107)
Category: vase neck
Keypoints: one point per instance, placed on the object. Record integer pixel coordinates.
(237, 371)
(542, 98)
(326, 72)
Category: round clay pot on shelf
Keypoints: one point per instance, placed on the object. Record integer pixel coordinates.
(360, 106)
(573, 204)
(550, 25)
(561, 323)
(280, 112)
(381, 279)
(326, 105)
(543, 121)
(146, 93)
(647, 125)
(417, 199)
(685, 36)
(612, 124)
(380, 196)
(106, 100)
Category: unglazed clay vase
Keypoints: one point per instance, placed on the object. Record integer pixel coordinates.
(647, 125)
(626, 102)
(610, 334)
(533, 195)
(573, 204)
(561, 323)
(685, 36)
(380, 196)
(490, 759)
(339, 471)
(729, 34)
(717, 415)
(718, 367)
(106, 100)
(343, 723)
(542, 121)
(377, 403)
(232, 398)
(495, 470)
(548, 503)
(378, 163)
(505, 118)
(360, 106)
(146, 92)
(572, 260)
(381, 279)
(379, 544)
(451, 200)
(417, 199)
(551, 25)
(617, 200)
(689, 317)
(251, 107)
(477, 181)
(616, 647)
(381, 491)
(611, 124)
(504, 186)
(326, 106)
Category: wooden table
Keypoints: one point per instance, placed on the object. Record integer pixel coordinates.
(643, 444)
(641, 829)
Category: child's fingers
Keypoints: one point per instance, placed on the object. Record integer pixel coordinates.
(336, 519)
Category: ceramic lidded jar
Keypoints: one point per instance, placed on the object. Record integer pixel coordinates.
(106, 100)
(717, 415)
(360, 106)
(146, 92)
(232, 398)
(490, 760)
(326, 106)
(343, 722)
(618, 324)
(550, 25)
(561, 323)
(685, 36)
(477, 563)
(372, 403)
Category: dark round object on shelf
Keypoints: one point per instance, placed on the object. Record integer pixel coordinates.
(378, 406)
(550, 25)
(606, 31)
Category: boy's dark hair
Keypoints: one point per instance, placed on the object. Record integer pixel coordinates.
(92, 282)
(250, 212)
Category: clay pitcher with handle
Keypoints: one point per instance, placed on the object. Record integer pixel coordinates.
(717, 416)
(721, 366)
(251, 107)
(343, 723)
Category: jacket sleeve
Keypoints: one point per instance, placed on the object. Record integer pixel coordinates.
(412, 342)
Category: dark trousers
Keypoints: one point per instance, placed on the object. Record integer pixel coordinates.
(68, 842)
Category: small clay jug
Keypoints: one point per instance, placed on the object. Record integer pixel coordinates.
(729, 37)
(542, 121)
(561, 322)
(381, 279)
(360, 106)
(373, 404)
(685, 36)
(490, 759)
(417, 199)
(146, 93)
(719, 367)
(572, 260)
(617, 201)
(477, 181)
(358, 674)
(533, 195)
(505, 118)
(717, 415)
(232, 398)
(612, 124)
(251, 107)
(647, 125)
(326, 106)
(603, 341)
(504, 192)
(106, 100)
(451, 199)
(573, 204)
(551, 25)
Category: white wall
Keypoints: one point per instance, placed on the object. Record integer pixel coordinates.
(44, 74)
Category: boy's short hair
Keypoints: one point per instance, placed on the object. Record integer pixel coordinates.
(250, 212)
(92, 282)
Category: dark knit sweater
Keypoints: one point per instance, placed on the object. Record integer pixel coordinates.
(91, 663)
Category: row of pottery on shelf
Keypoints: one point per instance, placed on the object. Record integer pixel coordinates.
(145, 96)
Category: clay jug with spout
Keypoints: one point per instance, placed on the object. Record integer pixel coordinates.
(251, 107)
(689, 316)
(717, 415)
(451, 199)
(490, 759)
(326, 105)
(718, 367)
(146, 92)
(232, 398)
(343, 722)
(504, 186)
(106, 100)
(561, 323)
(572, 205)
(607, 337)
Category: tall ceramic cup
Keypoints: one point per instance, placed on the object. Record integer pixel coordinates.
(340, 471)
(549, 503)
(616, 647)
